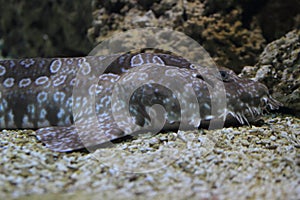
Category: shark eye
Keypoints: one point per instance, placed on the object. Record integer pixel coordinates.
(224, 75)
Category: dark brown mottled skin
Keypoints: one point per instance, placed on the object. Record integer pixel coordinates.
(37, 93)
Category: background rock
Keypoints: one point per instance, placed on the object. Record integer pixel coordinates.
(277, 17)
(221, 33)
(278, 68)
(45, 28)
(233, 32)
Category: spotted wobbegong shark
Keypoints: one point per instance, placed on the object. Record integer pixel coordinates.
(36, 93)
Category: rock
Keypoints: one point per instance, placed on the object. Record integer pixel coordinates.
(46, 28)
(278, 68)
(278, 17)
(221, 33)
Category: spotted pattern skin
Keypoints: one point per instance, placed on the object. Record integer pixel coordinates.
(36, 93)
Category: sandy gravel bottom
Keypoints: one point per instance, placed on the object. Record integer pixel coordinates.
(231, 163)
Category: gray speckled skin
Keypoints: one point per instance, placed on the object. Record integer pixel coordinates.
(37, 93)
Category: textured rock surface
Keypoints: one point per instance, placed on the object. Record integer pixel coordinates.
(233, 32)
(279, 69)
(277, 17)
(45, 28)
(221, 33)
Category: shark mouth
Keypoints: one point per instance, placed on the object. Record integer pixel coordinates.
(250, 113)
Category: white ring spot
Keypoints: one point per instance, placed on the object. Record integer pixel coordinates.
(55, 66)
(31, 108)
(3, 105)
(69, 61)
(9, 82)
(157, 60)
(12, 64)
(92, 89)
(69, 102)
(72, 82)
(61, 113)
(41, 80)
(59, 80)
(171, 72)
(142, 76)
(43, 114)
(2, 70)
(24, 82)
(27, 62)
(42, 97)
(59, 96)
(99, 89)
(128, 77)
(136, 60)
(85, 68)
